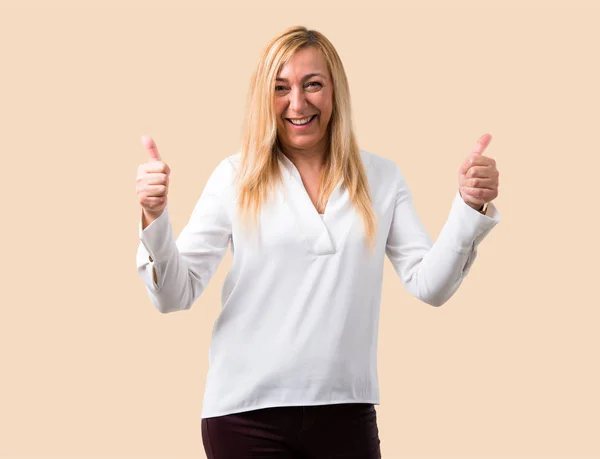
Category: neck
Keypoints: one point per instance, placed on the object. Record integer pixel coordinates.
(312, 159)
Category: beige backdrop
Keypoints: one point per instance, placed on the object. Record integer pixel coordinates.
(508, 368)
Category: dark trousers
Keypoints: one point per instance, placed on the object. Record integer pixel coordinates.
(341, 431)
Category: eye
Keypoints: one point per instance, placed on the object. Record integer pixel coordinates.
(280, 88)
(314, 85)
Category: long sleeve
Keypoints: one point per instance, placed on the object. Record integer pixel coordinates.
(432, 272)
(184, 266)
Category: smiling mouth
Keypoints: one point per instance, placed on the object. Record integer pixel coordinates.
(301, 121)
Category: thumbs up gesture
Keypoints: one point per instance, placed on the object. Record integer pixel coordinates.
(478, 176)
(152, 183)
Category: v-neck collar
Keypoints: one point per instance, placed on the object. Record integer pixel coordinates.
(311, 223)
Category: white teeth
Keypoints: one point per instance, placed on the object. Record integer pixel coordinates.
(301, 121)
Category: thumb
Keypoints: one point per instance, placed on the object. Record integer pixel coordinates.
(481, 144)
(150, 146)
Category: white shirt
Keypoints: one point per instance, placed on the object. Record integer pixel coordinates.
(300, 306)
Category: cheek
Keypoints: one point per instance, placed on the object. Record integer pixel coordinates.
(278, 106)
(278, 115)
(328, 113)
(325, 117)
(325, 107)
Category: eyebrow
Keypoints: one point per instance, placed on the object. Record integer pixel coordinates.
(306, 77)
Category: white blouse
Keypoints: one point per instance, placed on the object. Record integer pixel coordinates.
(300, 305)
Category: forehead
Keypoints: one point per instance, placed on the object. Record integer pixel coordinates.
(304, 61)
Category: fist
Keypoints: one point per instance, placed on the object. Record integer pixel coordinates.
(478, 176)
(152, 182)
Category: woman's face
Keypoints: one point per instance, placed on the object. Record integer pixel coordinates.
(303, 101)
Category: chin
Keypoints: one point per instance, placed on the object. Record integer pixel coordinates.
(303, 143)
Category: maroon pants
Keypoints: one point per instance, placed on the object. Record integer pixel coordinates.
(341, 431)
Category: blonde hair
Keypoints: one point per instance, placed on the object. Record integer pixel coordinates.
(259, 168)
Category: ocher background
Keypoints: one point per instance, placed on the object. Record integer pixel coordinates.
(508, 368)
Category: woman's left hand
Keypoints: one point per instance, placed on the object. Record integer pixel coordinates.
(478, 176)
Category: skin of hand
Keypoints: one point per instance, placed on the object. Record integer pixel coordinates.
(478, 176)
(152, 182)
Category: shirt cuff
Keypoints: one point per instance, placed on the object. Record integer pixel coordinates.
(157, 239)
(466, 227)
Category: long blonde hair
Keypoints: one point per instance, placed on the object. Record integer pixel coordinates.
(259, 169)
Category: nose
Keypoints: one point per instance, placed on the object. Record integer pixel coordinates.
(297, 101)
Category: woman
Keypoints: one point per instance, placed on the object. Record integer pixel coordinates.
(309, 218)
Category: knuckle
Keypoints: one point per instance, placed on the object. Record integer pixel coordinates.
(152, 203)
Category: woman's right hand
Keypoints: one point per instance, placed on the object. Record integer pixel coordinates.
(152, 183)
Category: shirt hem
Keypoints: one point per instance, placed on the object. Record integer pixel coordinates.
(258, 406)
